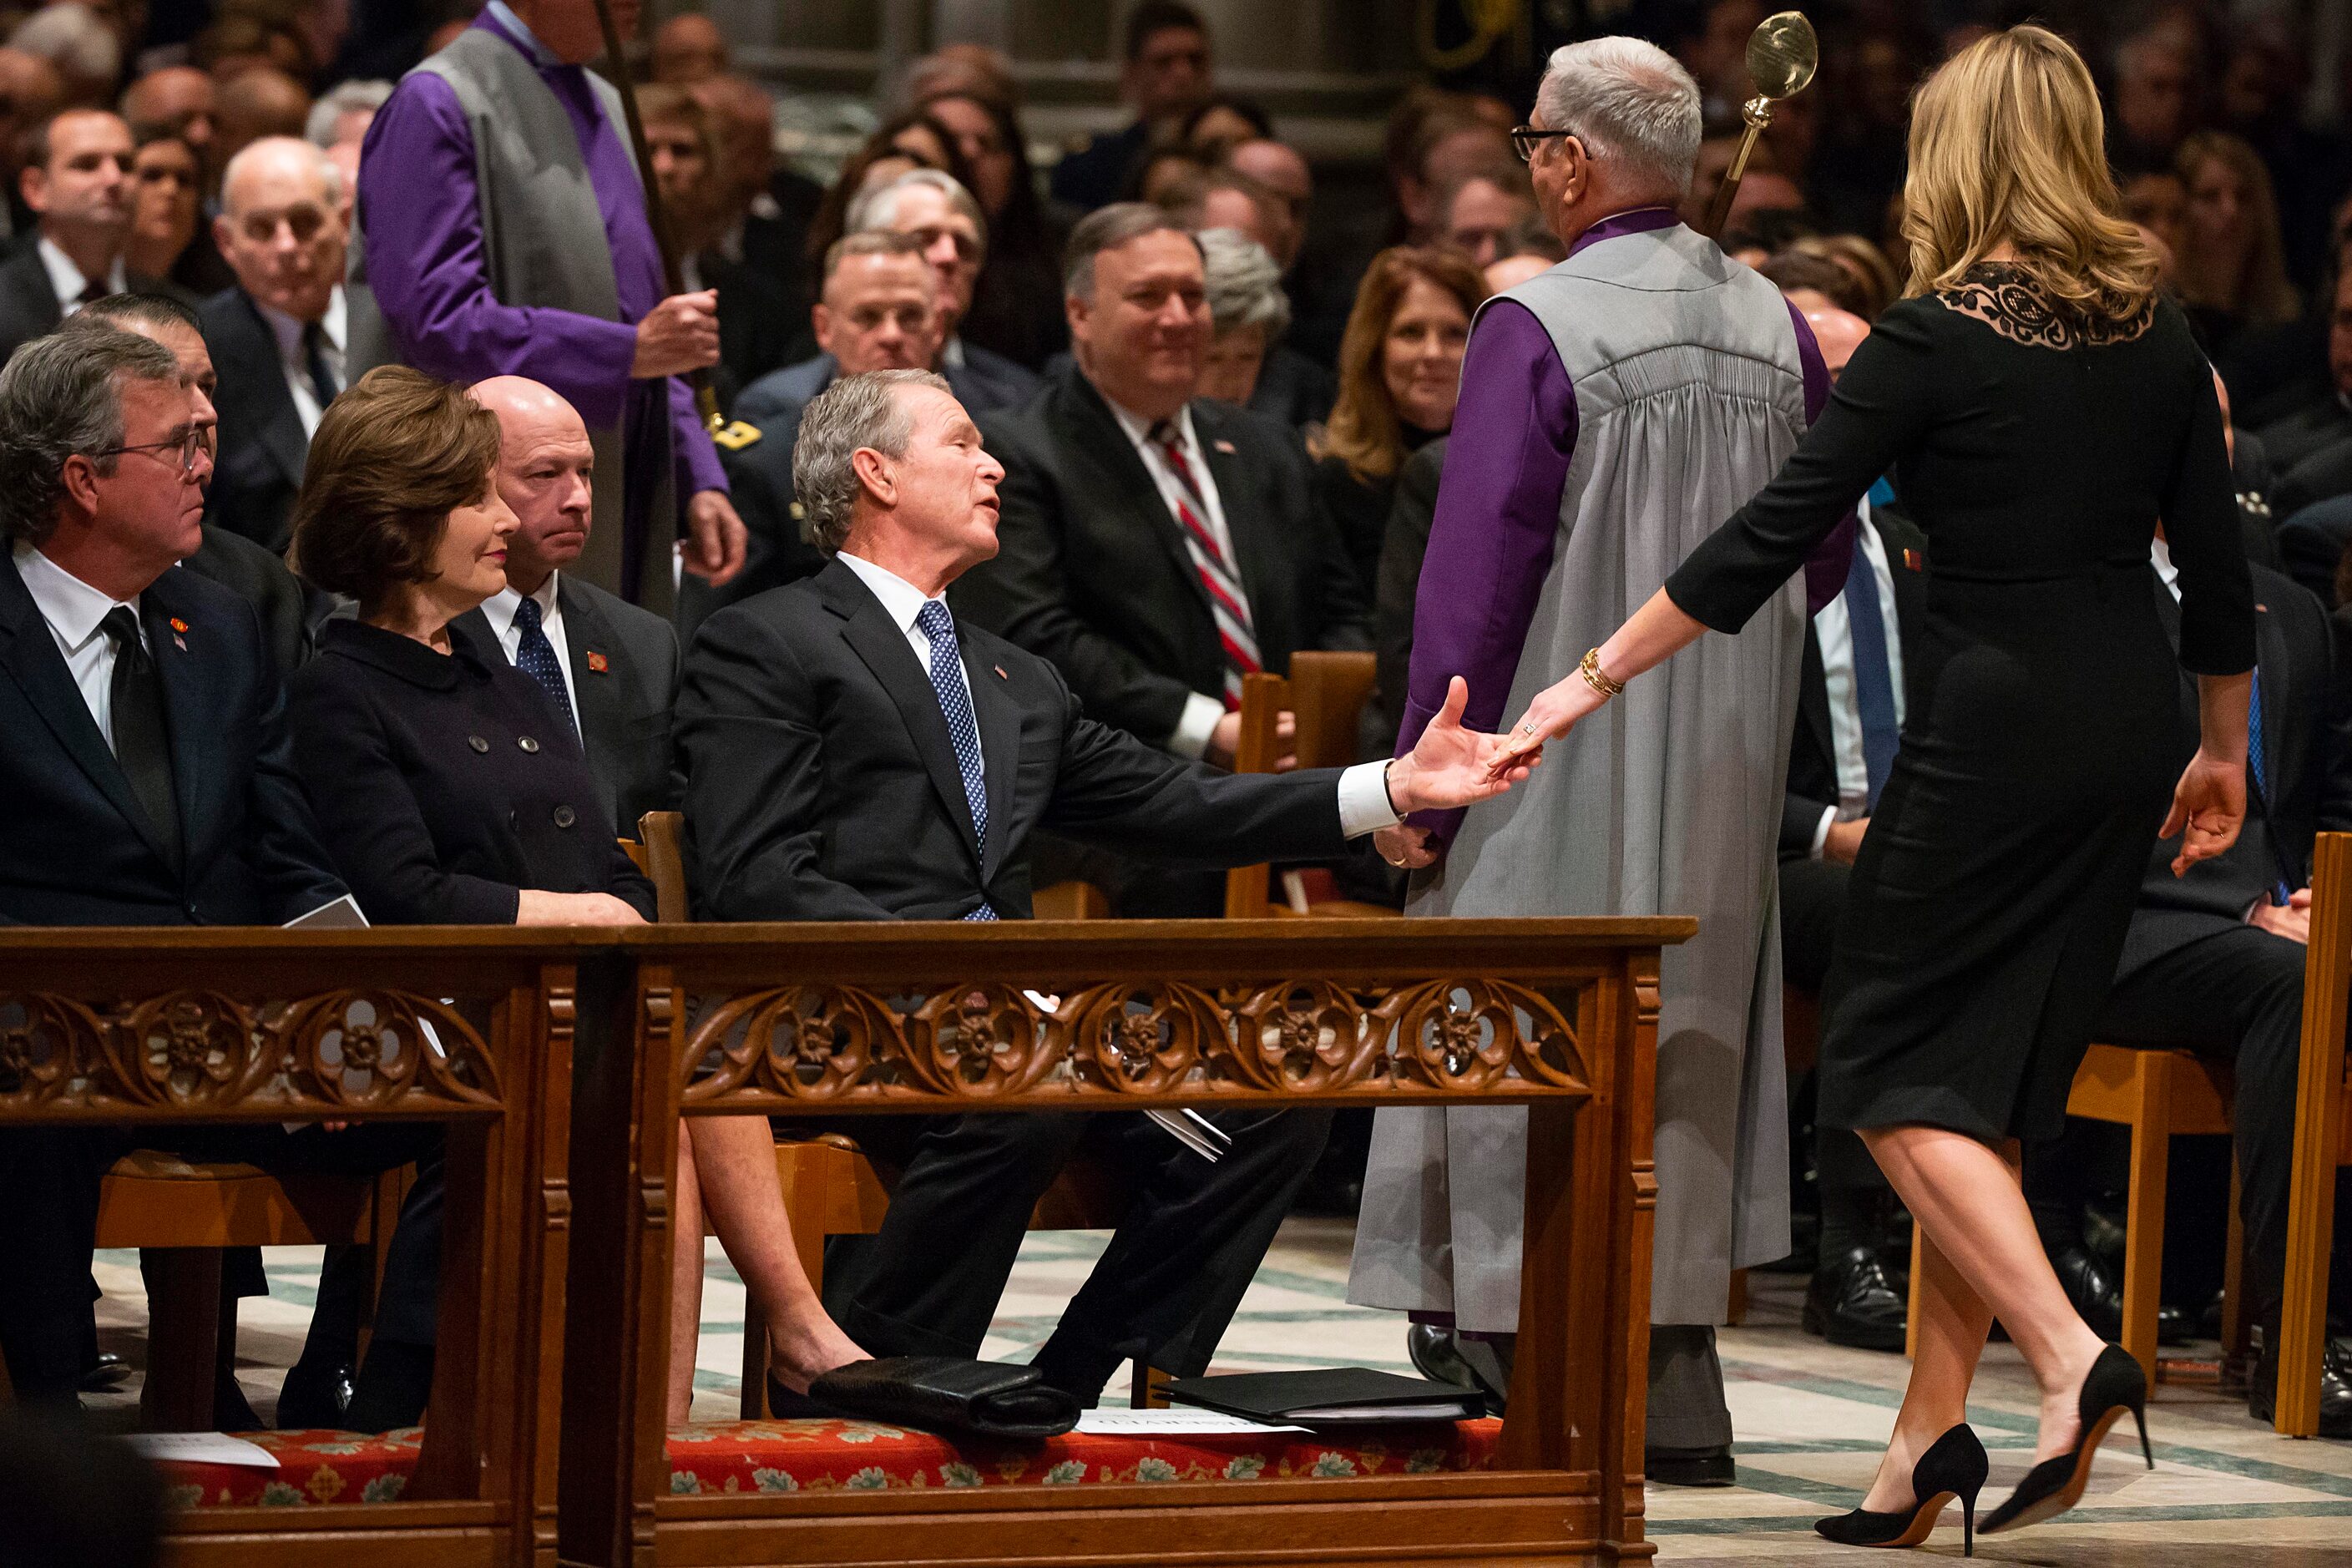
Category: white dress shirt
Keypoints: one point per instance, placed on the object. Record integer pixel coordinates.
(74, 610)
(1834, 629)
(500, 608)
(1201, 711)
(66, 281)
(1363, 789)
(2159, 555)
(296, 364)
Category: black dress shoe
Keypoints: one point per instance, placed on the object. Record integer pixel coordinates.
(1853, 1301)
(2335, 1388)
(312, 1399)
(1442, 1356)
(1690, 1466)
(2098, 1297)
(105, 1374)
(232, 1411)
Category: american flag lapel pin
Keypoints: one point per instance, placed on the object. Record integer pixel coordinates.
(1911, 559)
(999, 672)
(179, 634)
(597, 663)
(1223, 446)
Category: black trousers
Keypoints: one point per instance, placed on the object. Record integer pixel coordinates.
(2238, 994)
(1184, 1252)
(1812, 893)
(49, 1225)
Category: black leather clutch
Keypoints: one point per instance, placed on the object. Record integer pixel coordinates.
(950, 1396)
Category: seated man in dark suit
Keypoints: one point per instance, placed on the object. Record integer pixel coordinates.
(1157, 546)
(609, 667)
(1164, 74)
(2310, 450)
(2214, 959)
(277, 338)
(879, 311)
(857, 751)
(147, 780)
(77, 178)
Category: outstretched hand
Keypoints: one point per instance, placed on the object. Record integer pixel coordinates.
(1451, 766)
(1552, 714)
(2209, 805)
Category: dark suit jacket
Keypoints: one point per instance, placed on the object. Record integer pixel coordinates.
(443, 783)
(1292, 389)
(983, 382)
(988, 380)
(759, 329)
(2312, 542)
(1092, 574)
(1396, 584)
(28, 306)
(2307, 760)
(1812, 755)
(289, 607)
(2323, 422)
(75, 849)
(1089, 176)
(624, 682)
(263, 446)
(820, 783)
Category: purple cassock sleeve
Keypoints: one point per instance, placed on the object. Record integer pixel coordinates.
(1825, 569)
(419, 205)
(1497, 523)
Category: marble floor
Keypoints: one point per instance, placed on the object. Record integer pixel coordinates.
(1810, 1417)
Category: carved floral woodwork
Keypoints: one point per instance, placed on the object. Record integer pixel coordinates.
(197, 1052)
(821, 1043)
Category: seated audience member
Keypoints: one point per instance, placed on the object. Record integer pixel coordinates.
(856, 751)
(758, 328)
(148, 778)
(2311, 450)
(2229, 270)
(1396, 581)
(881, 311)
(766, 211)
(1161, 173)
(177, 101)
(1277, 167)
(277, 338)
(1851, 698)
(608, 668)
(1872, 284)
(1016, 300)
(688, 49)
(1811, 282)
(289, 608)
(1527, 251)
(931, 205)
(1164, 74)
(1478, 210)
(1223, 122)
(341, 115)
(1247, 363)
(167, 237)
(77, 181)
(1400, 373)
(1157, 546)
(75, 40)
(259, 103)
(899, 145)
(2250, 477)
(1223, 198)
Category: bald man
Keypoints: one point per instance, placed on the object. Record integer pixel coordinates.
(1850, 706)
(609, 668)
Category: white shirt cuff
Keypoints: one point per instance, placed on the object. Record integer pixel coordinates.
(1364, 800)
(1822, 829)
(1194, 726)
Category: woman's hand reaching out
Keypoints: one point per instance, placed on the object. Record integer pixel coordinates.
(2209, 805)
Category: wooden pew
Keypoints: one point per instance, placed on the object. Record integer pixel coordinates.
(210, 1026)
(1326, 692)
(2323, 1139)
(933, 1019)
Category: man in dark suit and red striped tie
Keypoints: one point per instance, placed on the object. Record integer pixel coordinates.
(1156, 546)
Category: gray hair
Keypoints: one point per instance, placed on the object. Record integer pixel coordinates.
(1107, 228)
(1627, 99)
(878, 208)
(73, 38)
(320, 165)
(60, 397)
(343, 98)
(855, 411)
(1244, 283)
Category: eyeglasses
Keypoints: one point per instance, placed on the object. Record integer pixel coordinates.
(189, 446)
(1524, 139)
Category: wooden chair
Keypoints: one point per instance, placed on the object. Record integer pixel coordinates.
(2323, 1136)
(1326, 692)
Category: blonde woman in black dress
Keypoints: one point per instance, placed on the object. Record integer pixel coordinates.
(2042, 411)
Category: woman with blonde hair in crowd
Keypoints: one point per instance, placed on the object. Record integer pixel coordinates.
(1399, 376)
(2229, 265)
(2040, 408)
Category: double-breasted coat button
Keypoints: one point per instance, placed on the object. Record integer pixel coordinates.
(527, 743)
(565, 816)
(478, 745)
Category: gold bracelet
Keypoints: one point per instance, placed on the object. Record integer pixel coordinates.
(1597, 677)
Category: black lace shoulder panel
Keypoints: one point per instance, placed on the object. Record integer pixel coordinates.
(2007, 300)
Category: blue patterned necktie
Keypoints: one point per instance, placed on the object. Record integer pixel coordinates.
(535, 657)
(955, 706)
(1873, 678)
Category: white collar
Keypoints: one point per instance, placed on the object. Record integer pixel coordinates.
(500, 608)
(66, 280)
(290, 330)
(901, 600)
(504, 15)
(1139, 429)
(71, 605)
(2160, 553)
(951, 354)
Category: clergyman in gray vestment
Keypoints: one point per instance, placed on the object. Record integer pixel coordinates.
(1614, 410)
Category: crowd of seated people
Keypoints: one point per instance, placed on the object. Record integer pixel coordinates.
(1220, 398)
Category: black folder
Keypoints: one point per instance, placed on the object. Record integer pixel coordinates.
(1329, 1397)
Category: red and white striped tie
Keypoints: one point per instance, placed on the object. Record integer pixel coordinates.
(1227, 603)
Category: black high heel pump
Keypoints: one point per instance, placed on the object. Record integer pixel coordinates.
(1952, 1469)
(2114, 1384)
